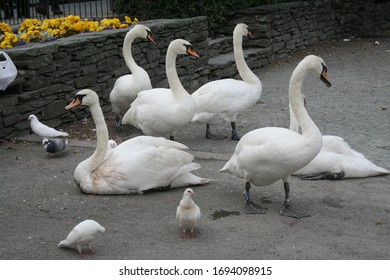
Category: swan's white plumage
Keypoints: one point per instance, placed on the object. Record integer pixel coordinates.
(268, 154)
(136, 165)
(337, 156)
(127, 87)
(221, 100)
(188, 213)
(82, 234)
(159, 111)
(43, 130)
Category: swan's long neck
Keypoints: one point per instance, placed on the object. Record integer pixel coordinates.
(102, 137)
(173, 79)
(308, 127)
(130, 37)
(245, 72)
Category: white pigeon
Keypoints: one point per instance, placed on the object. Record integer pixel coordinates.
(54, 145)
(188, 213)
(43, 130)
(83, 234)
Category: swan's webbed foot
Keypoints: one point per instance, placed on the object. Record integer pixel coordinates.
(323, 176)
(235, 136)
(252, 208)
(289, 211)
(211, 136)
(214, 137)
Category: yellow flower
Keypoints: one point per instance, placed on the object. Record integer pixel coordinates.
(5, 28)
(34, 30)
(128, 20)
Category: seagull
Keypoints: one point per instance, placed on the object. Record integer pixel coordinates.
(188, 213)
(43, 130)
(83, 234)
(54, 145)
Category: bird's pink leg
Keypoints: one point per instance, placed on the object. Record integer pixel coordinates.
(80, 251)
(192, 233)
(184, 234)
(90, 251)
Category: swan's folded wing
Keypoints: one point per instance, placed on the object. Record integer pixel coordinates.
(222, 96)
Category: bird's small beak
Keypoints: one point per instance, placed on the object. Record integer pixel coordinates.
(76, 101)
(250, 35)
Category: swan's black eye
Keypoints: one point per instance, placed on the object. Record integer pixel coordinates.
(324, 68)
(188, 47)
(80, 97)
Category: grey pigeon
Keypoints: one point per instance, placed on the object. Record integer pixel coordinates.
(43, 130)
(54, 145)
(188, 213)
(83, 234)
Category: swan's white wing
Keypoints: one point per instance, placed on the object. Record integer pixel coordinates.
(225, 96)
(265, 155)
(140, 168)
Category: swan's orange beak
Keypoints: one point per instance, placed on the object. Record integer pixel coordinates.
(150, 38)
(191, 52)
(76, 101)
(324, 76)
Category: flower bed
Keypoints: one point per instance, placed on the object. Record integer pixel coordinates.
(34, 30)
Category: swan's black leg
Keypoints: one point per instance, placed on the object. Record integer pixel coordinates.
(210, 136)
(287, 209)
(234, 132)
(323, 176)
(117, 121)
(250, 207)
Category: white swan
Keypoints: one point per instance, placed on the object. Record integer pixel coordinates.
(136, 165)
(220, 101)
(268, 154)
(127, 87)
(160, 111)
(336, 160)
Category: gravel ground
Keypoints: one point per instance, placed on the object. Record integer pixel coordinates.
(350, 219)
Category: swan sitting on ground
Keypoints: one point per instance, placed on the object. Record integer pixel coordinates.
(268, 154)
(160, 111)
(220, 101)
(336, 160)
(128, 86)
(136, 165)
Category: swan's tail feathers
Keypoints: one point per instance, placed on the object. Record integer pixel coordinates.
(185, 178)
(226, 168)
